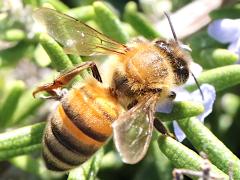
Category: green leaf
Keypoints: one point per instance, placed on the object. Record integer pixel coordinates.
(27, 163)
(13, 35)
(111, 159)
(89, 169)
(21, 141)
(221, 78)
(109, 22)
(10, 103)
(82, 13)
(57, 4)
(156, 163)
(183, 157)
(6, 154)
(59, 59)
(201, 41)
(204, 140)
(21, 49)
(34, 166)
(230, 103)
(211, 58)
(33, 3)
(227, 12)
(28, 107)
(139, 22)
(75, 59)
(41, 57)
(182, 110)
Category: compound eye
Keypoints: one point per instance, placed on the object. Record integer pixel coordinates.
(184, 75)
(181, 71)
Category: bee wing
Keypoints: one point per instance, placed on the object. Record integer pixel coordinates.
(132, 133)
(75, 36)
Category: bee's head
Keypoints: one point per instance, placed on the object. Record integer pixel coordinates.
(178, 56)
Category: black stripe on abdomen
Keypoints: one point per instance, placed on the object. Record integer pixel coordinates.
(69, 141)
(79, 121)
(60, 151)
(52, 162)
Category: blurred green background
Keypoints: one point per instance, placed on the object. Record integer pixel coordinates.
(28, 59)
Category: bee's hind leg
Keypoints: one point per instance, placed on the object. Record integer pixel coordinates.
(55, 94)
(66, 78)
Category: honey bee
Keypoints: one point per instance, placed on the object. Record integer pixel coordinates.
(88, 114)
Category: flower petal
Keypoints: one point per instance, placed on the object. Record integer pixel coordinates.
(196, 69)
(225, 30)
(165, 107)
(180, 135)
(209, 98)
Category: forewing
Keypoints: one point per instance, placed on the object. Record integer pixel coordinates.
(132, 133)
(75, 36)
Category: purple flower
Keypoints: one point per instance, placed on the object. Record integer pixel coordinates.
(209, 98)
(183, 95)
(226, 31)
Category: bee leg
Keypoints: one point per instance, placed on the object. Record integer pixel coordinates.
(56, 94)
(133, 103)
(161, 128)
(67, 77)
(49, 88)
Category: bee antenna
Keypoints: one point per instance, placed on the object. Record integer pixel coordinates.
(171, 26)
(195, 79)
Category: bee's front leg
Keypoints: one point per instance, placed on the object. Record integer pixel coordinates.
(161, 128)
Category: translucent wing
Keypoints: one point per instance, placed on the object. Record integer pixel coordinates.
(75, 36)
(132, 132)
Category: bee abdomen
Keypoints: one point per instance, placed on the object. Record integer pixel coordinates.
(79, 127)
(56, 155)
(52, 162)
(91, 112)
(65, 146)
